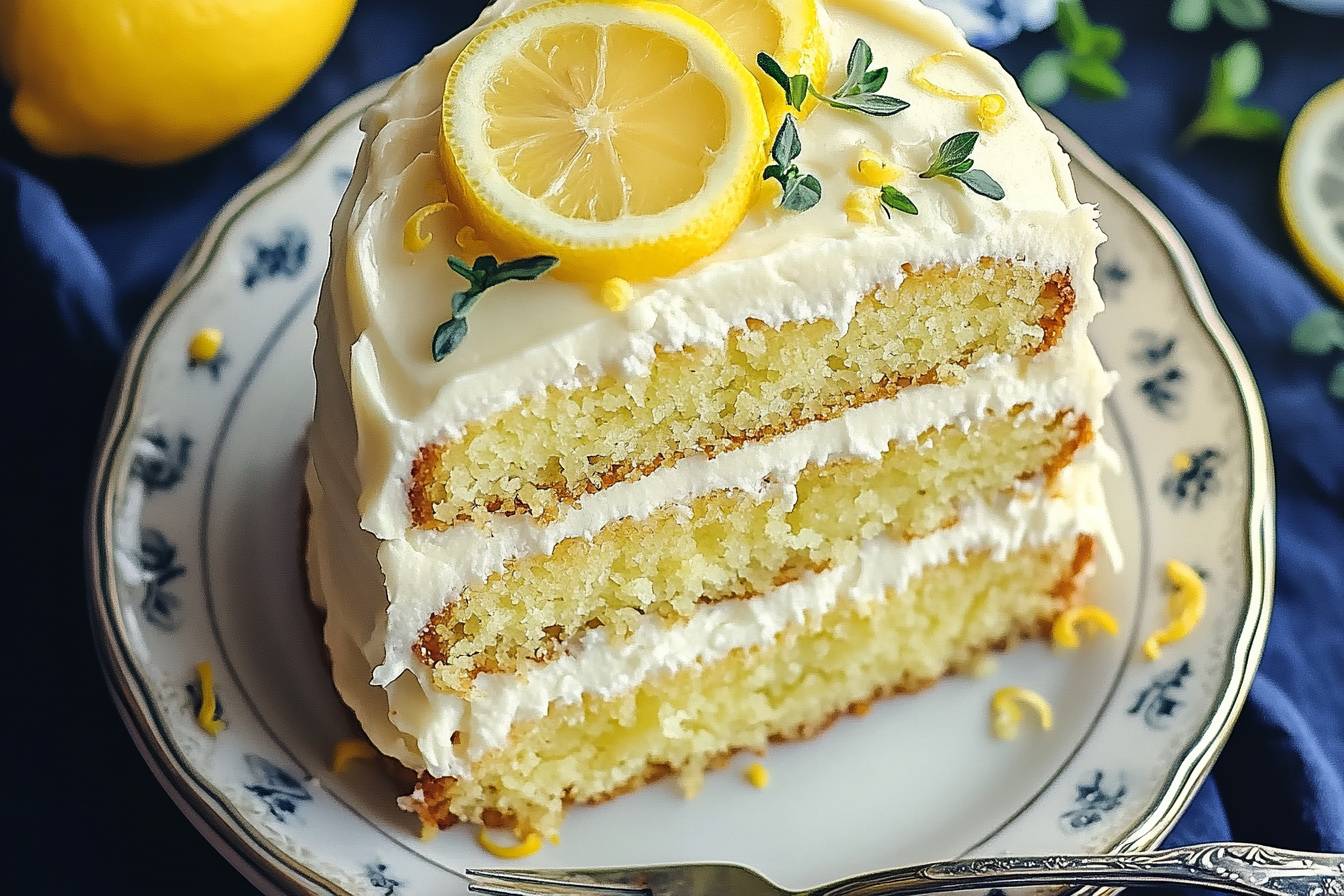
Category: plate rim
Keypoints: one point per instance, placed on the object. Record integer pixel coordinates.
(271, 869)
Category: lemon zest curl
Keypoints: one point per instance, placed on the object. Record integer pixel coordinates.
(1185, 608)
(529, 845)
(1005, 709)
(1064, 632)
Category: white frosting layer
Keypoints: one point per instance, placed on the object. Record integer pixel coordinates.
(381, 396)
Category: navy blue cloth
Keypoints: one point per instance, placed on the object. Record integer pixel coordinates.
(85, 246)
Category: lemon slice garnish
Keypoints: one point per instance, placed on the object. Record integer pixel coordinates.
(1311, 185)
(789, 30)
(623, 137)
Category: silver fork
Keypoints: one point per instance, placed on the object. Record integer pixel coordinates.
(1230, 867)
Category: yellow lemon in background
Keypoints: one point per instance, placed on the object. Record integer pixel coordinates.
(1311, 185)
(152, 81)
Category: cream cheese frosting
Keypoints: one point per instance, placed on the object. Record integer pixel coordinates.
(381, 396)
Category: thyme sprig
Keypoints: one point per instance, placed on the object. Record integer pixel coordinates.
(1232, 78)
(800, 191)
(486, 271)
(953, 160)
(893, 198)
(859, 93)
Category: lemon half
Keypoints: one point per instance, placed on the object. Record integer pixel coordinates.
(1311, 185)
(624, 137)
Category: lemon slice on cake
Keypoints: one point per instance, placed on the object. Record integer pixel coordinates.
(1311, 185)
(623, 137)
(789, 30)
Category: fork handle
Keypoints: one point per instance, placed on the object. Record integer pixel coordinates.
(1231, 867)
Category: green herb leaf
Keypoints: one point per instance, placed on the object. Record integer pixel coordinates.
(1190, 15)
(1046, 79)
(1237, 71)
(953, 160)
(801, 193)
(860, 59)
(485, 272)
(787, 146)
(795, 87)
(978, 181)
(1248, 15)
(1319, 333)
(895, 199)
(1072, 25)
(869, 103)
(522, 269)
(1106, 41)
(447, 337)
(954, 151)
(873, 81)
(1097, 78)
(1232, 77)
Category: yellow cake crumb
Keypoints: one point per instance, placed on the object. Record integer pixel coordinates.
(1064, 632)
(348, 750)
(1185, 608)
(413, 237)
(1005, 710)
(989, 107)
(616, 294)
(205, 714)
(758, 776)
(205, 345)
(1180, 462)
(861, 207)
(874, 171)
(429, 830)
(530, 845)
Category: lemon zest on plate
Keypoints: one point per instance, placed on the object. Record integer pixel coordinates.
(989, 107)
(757, 775)
(205, 714)
(205, 345)
(413, 236)
(1064, 631)
(1185, 608)
(529, 845)
(1180, 461)
(1005, 710)
(348, 750)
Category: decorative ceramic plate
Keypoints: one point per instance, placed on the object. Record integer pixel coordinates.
(194, 553)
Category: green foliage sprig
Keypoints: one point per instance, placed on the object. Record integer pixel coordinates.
(486, 271)
(1085, 62)
(1232, 77)
(1321, 334)
(1195, 15)
(859, 93)
(800, 191)
(953, 160)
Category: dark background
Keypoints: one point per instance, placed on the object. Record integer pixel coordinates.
(89, 814)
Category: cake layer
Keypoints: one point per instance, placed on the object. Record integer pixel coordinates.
(792, 687)
(736, 543)
(550, 450)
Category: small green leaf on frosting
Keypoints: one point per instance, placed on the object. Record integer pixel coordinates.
(486, 271)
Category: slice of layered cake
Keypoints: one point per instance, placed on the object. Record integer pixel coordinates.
(688, 375)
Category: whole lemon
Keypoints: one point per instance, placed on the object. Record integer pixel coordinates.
(152, 81)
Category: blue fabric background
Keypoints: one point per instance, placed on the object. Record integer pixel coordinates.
(85, 246)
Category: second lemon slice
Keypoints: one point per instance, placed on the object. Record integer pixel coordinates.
(623, 137)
